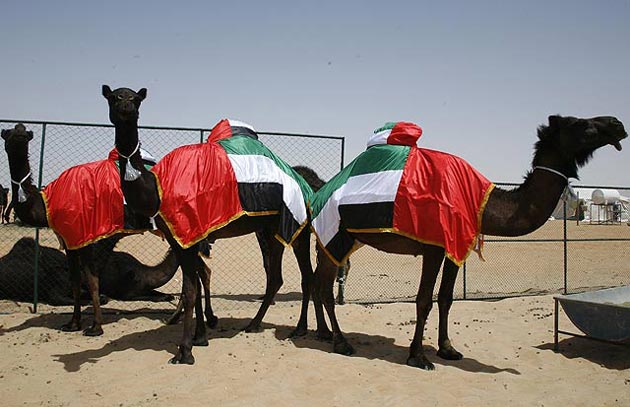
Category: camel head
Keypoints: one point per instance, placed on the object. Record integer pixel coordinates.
(124, 104)
(569, 142)
(16, 140)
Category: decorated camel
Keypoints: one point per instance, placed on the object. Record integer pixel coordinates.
(314, 181)
(70, 205)
(402, 199)
(122, 276)
(229, 186)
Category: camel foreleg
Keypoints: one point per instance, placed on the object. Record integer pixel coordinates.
(445, 300)
(431, 262)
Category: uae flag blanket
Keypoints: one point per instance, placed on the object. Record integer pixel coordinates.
(396, 187)
(203, 187)
(85, 203)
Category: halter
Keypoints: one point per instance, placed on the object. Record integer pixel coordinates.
(131, 174)
(21, 192)
(551, 170)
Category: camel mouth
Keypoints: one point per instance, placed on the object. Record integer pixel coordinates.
(617, 142)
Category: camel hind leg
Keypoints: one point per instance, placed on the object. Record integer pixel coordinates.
(323, 285)
(272, 255)
(445, 300)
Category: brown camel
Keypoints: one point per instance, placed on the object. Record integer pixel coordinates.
(141, 193)
(31, 209)
(564, 145)
(122, 276)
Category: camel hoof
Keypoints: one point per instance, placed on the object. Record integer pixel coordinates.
(70, 327)
(92, 331)
(299, 331)
(343, 348)
(449, 354)
(212, 321)
(180, 360)
(420, 361)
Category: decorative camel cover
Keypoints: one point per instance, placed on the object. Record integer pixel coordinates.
(426, 195)
(85, 203)
(203, 187)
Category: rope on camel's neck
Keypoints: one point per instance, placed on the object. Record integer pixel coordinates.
(21, 193)
(131, 174)
(551, 170)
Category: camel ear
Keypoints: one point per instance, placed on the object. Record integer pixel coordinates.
(554, 121)
(142, 93)
(5, 134)
(106, 91)
(30, 135)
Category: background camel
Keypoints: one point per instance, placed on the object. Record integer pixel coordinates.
(564, 145)
(141, 193)
(122, 276)
(4, 200)
(31, 209)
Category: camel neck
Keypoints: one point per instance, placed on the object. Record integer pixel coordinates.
(522, 210)
(29, 205)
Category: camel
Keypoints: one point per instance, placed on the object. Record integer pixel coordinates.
(564, 145)
(32, 210)
(4, 195)
(122, 276)
(141, 192)
(314, 181)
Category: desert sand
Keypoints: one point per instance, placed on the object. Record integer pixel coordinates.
(507, 344)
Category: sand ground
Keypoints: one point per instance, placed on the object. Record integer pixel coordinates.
(507, 344)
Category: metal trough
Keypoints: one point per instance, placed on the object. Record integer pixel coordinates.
(602, 314)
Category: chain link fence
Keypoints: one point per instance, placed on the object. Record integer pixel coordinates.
(238, 275)
(561, 257)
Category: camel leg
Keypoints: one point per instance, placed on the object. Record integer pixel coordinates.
(179, 311)
(91, 279)
(302, 252)
(324, 284)
(74, 267)
(188, 261)
(431, 262)
(323, 264)
(445, 300)
(200, 338)
(273, 271)
(204, 275)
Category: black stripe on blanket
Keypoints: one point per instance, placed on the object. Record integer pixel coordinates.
(359, 216)
(266, 197)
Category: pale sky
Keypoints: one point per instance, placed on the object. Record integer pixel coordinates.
(477, 76)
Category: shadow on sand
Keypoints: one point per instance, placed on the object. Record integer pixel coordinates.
(166, 337)
(608, 355)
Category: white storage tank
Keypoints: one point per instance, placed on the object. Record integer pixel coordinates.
(605, 196)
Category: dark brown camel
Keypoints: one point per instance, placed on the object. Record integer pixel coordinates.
(566, 144)
(122, 276)
(141, 194)
(4, 195)
(30, 208)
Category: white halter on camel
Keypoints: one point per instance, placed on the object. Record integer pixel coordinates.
(131, 174)
(551, 170)
(21, 192)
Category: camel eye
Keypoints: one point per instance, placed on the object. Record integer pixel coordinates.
(120, 97)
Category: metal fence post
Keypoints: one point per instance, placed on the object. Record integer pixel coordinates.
(564, 242)
(464, 280)
(39, 187)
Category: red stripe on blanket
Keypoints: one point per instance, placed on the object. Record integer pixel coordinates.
(198, 190)
(439, 201)
(85, 203)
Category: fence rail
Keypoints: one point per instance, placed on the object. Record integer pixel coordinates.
(563, 256)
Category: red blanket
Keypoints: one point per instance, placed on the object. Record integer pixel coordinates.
(85, 203)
